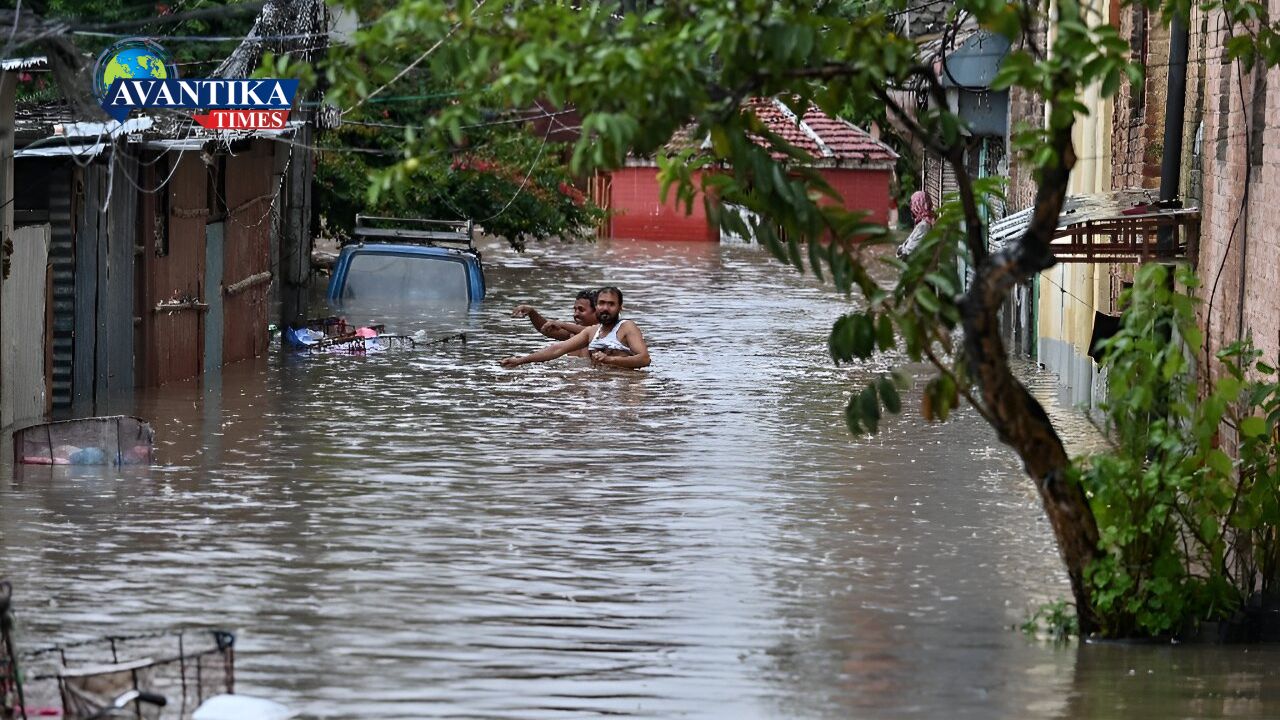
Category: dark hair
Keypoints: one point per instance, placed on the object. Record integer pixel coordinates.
(610, 289)
(588, 295)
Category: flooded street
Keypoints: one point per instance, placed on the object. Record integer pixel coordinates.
(423, 533)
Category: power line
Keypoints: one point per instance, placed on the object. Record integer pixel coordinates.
(203, 38)
(532, 118)
(1045, 275)
(413, 64)
(532, 166)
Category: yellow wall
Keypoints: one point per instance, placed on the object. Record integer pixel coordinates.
(1068, 316)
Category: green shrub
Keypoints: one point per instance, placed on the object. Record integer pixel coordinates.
(1188, 532)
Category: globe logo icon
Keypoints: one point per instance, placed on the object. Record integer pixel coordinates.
(134, 59)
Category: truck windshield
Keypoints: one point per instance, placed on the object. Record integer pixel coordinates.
(421, 278)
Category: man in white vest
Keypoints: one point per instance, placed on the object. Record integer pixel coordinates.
(612, 342)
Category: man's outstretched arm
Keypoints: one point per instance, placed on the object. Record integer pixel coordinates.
(552, 351)
(535, 318)
(561, 329)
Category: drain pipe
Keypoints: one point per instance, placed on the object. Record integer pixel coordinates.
(1175, 109)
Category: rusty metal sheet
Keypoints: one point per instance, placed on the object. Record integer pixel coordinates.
(175, 266)
(251, 188)
(115, 283)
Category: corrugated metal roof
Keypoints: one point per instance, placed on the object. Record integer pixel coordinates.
(1077, 209)
(1118, 226)
(23, 63)
(60, 143)
(198, 137)
(195, 139)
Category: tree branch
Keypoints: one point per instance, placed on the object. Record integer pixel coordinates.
(962, 387)
(1018, 417)
(913, 126)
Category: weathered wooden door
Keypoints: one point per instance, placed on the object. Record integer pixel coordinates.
(22, 328)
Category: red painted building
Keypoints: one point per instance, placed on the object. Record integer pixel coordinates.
(856, 164)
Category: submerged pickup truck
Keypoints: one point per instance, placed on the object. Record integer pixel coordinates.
(408, 260)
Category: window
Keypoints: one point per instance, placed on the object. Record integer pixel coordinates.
(414, 278)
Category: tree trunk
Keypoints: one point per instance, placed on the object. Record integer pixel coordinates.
(1019, 419)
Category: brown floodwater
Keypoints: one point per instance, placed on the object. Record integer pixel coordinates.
(424, 534)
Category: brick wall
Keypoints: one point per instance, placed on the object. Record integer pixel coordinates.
(1137, 124)
(1025, 108)
(1239, 255)
(1137, 127)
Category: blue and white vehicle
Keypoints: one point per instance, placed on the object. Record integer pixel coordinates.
(408, 261)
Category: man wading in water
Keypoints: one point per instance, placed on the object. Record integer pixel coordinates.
(584, 315)
(613, 342)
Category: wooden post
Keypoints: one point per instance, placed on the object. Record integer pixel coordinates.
(8, 87)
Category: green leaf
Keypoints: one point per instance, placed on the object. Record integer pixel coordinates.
(889, 395)
(884, 333)
(869, 404)
(927, 300)
(1110, 82)
(864, 336)
(901, 380)
(793, 253)
(1219, 462)
(815, 259)
(853, 416)
(946, 397)
(841, 339)
(942, 282)
(1251, 427)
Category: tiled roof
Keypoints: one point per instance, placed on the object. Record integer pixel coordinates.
(829, 140)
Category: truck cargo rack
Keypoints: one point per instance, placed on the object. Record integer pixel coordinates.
(415, 231)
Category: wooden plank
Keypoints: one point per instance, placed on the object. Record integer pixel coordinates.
(86, 294)
(117, 292)
(149, 270)
(22, 328)
(247, 251)
(427, 237)
(175, 339)
(102, 328)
